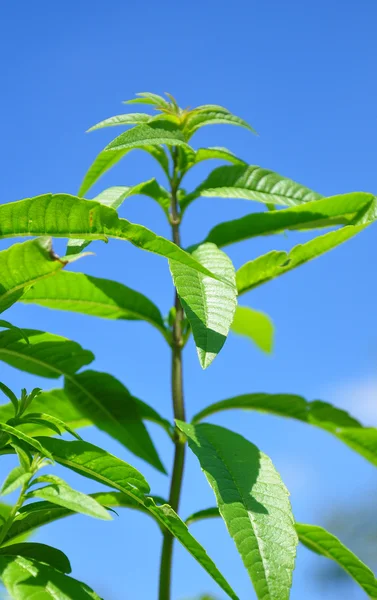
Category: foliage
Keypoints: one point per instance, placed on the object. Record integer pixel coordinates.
(250, 495)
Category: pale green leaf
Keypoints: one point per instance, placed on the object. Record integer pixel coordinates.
(60, 493)
(275, 263)
(15, 479)
(25, 578)
(107, 403)
(149, 98)
(95, 463)
(322, 542)
(46, 354)
(40, 552)
(127, 119)
(255, 325)
(21, 265)
(343, 210)
(200, 117)
(251, 183)
(88, 295)
(154, 134)
(209, 305)
(62, 215)
(189, 157)
(254, 504)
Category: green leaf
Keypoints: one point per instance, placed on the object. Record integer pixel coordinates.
(19, 435)
(88, 295)
(251, 183)
(330, 211)
(200, 117)
(105, 160)
(114, 197)
(21, 265)
(255, 325)
(95, 463)
(23, 453)
(200, 515)
(149, 98)
(322, 542)
(12, 397)
(47, 355)
(189, 157)
(321, 414)
(127, 119)
(25, 578)
(60, 493)
(7, 325)
(153, 134)
(35, 515)
(49, 422)
(209, 305)
(40, 552)
(271, 265)
(62, 215)
(254, 504)
(107, 403)
(148, 413)
(16, 478)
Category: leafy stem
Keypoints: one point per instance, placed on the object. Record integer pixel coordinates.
(8, 523)
(177, 398)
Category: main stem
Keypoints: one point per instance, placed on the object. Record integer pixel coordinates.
(178, 404)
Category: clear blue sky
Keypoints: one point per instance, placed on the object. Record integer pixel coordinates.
(304, 74)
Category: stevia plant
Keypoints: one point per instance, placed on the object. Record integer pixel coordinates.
(249, 494)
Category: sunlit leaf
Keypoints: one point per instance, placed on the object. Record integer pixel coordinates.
(127, 119)
(201, 117)
(253, 503)
(15, 479)
(251, 183)
(209, 305)
(40, 552)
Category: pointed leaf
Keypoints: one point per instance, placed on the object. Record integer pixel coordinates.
(189, 157)
(49, 422)
(47, 355)
(153, 134)
(148, 413)
(21, 265)
(63, 495)
(114, 198)
(127, 119)
(273, 264)
(255, 325)
(322, 542)
(29, 441)
(7, 325)
(25, 578)
(330, 211)
(62, 215)
(16, 478)
(209, 305)
(12, 397)
(40, 552)
(200, 515)
(105, 160)
(148, 98)
(251, 183)
(88, 295)
(108, 404)
(321, 414)
(95, 463)
(254, 504)
(200, 117)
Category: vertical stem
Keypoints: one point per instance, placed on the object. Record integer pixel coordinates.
(178, 403)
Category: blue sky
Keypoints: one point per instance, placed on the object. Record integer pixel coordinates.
(304, 75)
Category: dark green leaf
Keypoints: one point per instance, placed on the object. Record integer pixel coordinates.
(330, 211)
(41, 552)
(322, 542)
(47, 355)
(29, 441)
(12, 397)
(271, 265)
(255, 325)
(7, 325)
(251, 183)
(108, 404)
(62, 215)
(25, 578)
(254, 504)
(88, 295)
(95, 463)
(209, 305)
